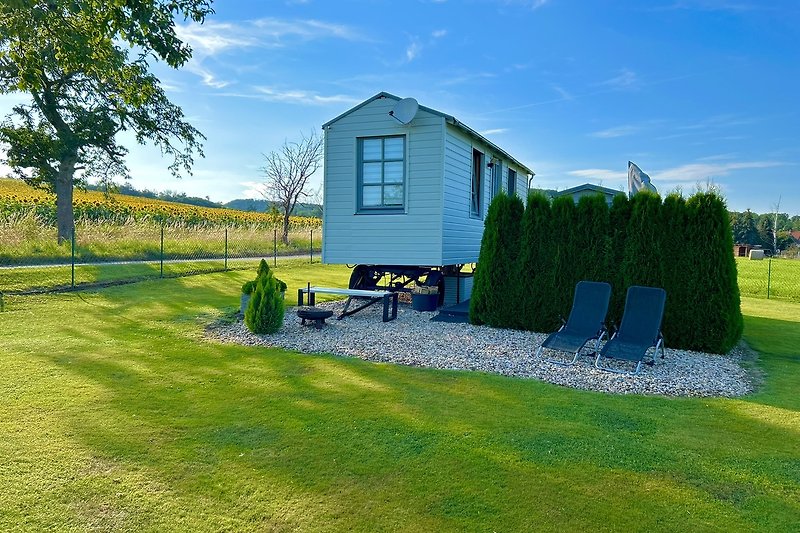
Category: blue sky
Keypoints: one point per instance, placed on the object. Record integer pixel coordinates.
(691, 90)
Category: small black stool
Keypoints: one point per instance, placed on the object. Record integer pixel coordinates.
(314, 313)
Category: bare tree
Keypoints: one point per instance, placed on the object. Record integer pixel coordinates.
(287, 171)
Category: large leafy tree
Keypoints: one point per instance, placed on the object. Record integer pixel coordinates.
(85, 66)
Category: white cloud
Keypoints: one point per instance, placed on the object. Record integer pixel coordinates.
(626, 79)
(297, 96)
(694, 172)
(413, 50)
(599, 174)
(494, 131)
(213, 38)
(618, 131)
(438, 34)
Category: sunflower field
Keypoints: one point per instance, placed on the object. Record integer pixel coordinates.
(19, 200)
(177, 238)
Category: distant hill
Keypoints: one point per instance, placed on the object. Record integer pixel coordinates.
(167, 196)
(263, 206)
(240, 204)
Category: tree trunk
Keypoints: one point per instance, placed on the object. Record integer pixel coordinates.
(65, 219)
(285, 234)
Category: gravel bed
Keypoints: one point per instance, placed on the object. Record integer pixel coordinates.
(412, 339)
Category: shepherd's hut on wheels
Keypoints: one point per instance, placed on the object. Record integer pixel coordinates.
(406, 190)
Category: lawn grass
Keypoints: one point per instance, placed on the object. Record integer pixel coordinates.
(780, 276)
(58, 277)
(118, 415)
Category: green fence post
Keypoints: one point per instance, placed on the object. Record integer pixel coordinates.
(73, 257)
(226, 248)
(769, 275)
(311, 246)
(162, 252)
(275, 247)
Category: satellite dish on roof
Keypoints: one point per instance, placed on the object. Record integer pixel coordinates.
(405, 110)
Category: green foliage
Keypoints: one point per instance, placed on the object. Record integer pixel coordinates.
(73, 59)
(265, 309)
(593, 239)
(714, 313)
(619, 217)
(248, 287)
(641, 264)
(567, 244)
(536, 274)
(686, 248)
(495, 277)
(677, 259)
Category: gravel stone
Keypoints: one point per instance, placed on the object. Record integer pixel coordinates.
(412, 339)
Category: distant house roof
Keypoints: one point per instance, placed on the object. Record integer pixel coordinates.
(588, 188)
(795, 235)
(448, 118)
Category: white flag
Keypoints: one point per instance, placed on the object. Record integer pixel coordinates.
(638, 180)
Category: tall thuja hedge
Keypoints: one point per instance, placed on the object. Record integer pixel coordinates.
(593, 238)
(619, 216)
(676, 270)
(566, 246)
(641, 263)
(536, 274)
(265, 310)
(496, 276)
(714, 316)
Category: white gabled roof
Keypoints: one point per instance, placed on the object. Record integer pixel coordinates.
(448, 118)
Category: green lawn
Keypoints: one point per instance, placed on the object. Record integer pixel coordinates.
(116, 414)
(780, 276)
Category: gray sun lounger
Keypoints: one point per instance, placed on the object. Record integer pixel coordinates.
(640, 330)
(586, 322)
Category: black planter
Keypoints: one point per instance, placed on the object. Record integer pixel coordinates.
(424, 302)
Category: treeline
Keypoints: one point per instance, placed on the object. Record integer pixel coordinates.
(241, 204)
(167, 196)
(532, 257)
(761, 229)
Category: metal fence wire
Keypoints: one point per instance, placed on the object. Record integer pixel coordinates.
(772, 278)
(92, 259)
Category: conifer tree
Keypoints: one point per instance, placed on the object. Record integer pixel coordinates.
(619, 218)
(495, 277)
(565, 244)
(677, 270)
(592, 238)
(265, 310)
(714, 316)
(641, 264)
(535, 267)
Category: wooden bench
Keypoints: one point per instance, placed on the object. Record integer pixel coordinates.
(388, 298)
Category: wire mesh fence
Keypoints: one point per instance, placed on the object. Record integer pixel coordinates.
(101, 255)
(773, 278)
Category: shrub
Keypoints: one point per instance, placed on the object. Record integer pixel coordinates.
(495, 277)
(536, 275)
(265, 310)
(263, 269)
(641, 263)
(714, 316)
(677, 269)
(592, 238)
(565, 245)
(619, 217)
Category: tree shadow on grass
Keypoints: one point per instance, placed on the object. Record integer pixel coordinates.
(293, 441)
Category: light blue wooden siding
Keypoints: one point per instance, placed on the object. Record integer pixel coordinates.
(461, 232)
(410, 238)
